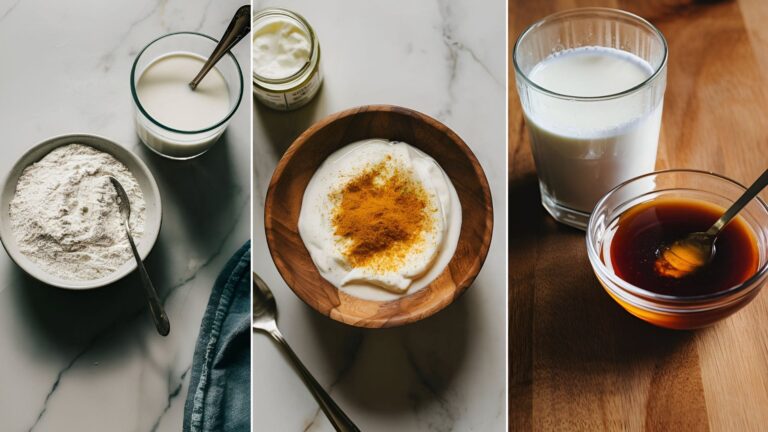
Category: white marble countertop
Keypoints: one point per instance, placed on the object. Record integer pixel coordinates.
(446, 59)
(92, 361)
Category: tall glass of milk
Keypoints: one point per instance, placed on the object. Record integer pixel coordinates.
(591, 83)
(172, 119)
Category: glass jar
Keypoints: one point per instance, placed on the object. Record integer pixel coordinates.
(164, 139)
(286, 93)
(676, 312)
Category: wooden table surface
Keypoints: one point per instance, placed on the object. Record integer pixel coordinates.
(577, 360)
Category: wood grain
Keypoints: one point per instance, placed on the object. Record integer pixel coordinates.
(577, 361)
(301, 160)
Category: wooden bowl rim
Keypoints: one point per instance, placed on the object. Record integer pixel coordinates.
(405, 316)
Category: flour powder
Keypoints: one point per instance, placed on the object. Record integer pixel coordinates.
(65, 216)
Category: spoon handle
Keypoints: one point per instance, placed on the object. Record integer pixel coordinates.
(155, 306)
(335, 415)
(751, 192)
(237, 29)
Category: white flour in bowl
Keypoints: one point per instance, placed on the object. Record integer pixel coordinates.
(65, 217)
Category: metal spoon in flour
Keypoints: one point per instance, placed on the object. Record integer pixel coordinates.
(238, 28)
(155, 306)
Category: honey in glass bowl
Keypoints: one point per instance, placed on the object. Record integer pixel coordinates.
(644, 230)
(632, 223)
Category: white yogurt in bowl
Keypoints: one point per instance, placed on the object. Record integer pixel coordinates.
(397, 177)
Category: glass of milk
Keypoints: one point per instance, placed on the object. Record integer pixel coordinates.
(172, 119)
(591, 83)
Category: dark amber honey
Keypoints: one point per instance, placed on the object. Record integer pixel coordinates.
(646, 228)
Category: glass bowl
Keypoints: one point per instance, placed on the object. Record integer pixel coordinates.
(676, 312)
(163, 139)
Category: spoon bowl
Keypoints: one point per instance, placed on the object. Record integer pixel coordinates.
(264, 306)
(690, 254)
(686, 255)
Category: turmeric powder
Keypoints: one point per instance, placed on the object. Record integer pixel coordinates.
(382, 214)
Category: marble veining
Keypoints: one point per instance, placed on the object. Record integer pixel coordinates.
(455, 48)
(176, 388)
(82, 361)
(172, 396)
(9, 9)
(447, 59)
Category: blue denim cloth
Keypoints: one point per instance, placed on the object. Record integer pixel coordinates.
(219, 396)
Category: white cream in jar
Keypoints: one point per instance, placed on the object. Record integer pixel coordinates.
(285, 56)
(421, 262)
(280, 49)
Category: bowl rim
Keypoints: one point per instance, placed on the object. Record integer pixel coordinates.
(112, 148)
(406, 316)
(627, 287)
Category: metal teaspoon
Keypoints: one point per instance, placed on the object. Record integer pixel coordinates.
(155, 306)
(238, 28)
(695, 250)
(265, 320)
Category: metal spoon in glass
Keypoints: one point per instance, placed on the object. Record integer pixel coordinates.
(265, 320)
(238, 28)
(155, 306)
(696, 250)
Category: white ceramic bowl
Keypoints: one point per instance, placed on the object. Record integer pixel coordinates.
(135, 166)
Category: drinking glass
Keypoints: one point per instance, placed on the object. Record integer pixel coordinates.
(585, 146)
(166, 140)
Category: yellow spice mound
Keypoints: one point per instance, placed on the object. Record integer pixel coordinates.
(382, 213)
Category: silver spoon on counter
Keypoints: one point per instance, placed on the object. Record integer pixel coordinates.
(238, 28)
(155, 306)
(265, 320)
(694, 251)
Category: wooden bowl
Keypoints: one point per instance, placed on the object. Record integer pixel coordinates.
(301, 160)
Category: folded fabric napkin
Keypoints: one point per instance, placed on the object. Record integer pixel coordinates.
(219, 396)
